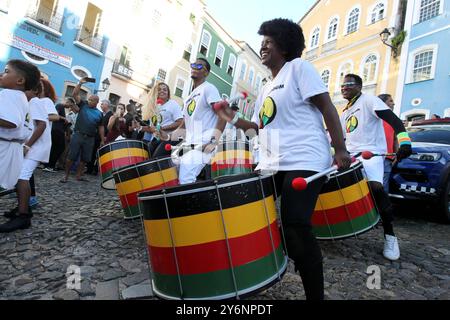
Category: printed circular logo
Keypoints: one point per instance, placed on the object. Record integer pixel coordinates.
(157, 119)
(191, 108)
(352, 124)
(268, 112)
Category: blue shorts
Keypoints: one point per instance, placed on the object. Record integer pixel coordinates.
(82, 145)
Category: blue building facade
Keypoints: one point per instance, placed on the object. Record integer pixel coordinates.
(425, 70)
(56, 40)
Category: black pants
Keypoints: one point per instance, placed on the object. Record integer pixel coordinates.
(58, 147)
(160, 150)
(384, 206)
(297, 209)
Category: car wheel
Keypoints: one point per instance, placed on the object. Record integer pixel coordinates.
(445, 204)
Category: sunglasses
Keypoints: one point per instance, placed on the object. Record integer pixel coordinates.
(348, 84)
(197, 66)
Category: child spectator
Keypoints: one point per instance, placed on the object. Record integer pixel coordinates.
(14, 117)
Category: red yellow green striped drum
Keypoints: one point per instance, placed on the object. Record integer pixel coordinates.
(232, 158)
(345, 207)
(117, 155)
(149, 175)
(215, 239)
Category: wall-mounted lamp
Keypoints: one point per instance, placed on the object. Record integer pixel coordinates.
(384, 35)
(105, 86)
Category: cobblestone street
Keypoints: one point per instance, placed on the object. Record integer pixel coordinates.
(80, 224)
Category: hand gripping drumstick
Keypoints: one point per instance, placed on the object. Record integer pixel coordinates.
(241, 96)
(300, 184)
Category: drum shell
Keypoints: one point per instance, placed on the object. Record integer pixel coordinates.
(189, 243)
(148, 175)
(232, 158)
(119, 154)
(345, 207)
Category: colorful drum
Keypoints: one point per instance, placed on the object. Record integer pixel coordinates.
(117, 155)
(149, 175)
(232, 158)
(345, 207)
(215, 239)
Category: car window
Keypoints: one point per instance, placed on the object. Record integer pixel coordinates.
(430, 135)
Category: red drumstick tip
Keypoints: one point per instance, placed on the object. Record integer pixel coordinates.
(299, 184)
(367, 155)
(168, 147)
(245, 95)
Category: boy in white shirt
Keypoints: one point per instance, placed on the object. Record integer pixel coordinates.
(18, 77)
(36, 150)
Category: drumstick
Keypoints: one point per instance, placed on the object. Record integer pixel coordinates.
(367, 155)
(300, 184)
(241, 96)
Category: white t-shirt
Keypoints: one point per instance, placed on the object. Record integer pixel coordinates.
(292, 133)
(199, 115)
(14, 108)
(50, 107)
(363, 128)
(169, 113)
(40, 151)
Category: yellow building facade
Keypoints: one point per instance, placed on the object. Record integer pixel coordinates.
(344, 37)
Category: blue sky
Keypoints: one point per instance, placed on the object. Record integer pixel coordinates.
(242, 18)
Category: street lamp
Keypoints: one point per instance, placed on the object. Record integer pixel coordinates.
(105, 86)
(384, 35)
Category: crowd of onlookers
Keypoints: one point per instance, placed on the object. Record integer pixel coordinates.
(34, 132)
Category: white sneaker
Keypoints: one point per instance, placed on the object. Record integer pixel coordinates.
(391, 250)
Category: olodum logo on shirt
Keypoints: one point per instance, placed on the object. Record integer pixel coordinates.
(191, 108)
(157, 119)
(352, 124)
(268, 112)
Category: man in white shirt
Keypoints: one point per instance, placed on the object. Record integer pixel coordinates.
(203, 127)
(362, 121)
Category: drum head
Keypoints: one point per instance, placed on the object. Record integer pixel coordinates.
(198, 186)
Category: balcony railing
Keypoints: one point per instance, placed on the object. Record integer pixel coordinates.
(88, 38)
(329, 46)
(122, 70)
(312, 54)
(46, 17)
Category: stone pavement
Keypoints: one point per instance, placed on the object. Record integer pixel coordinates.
(79, 224)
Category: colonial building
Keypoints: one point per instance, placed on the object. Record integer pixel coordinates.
(250, 78)
(221, 51)
(344, 37)
(424, 80)
(64, 40)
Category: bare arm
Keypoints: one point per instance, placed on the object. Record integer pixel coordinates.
(112, 122)
(54, 117)
(174, 126)
(76, 91)
(7, 124)
(101, 131)
(37, 132)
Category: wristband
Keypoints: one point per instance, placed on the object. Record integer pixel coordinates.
(404, 139)
(235, 119)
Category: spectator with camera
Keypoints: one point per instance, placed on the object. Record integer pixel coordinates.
(89, 124)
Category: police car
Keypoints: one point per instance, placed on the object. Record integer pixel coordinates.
(425, 175)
